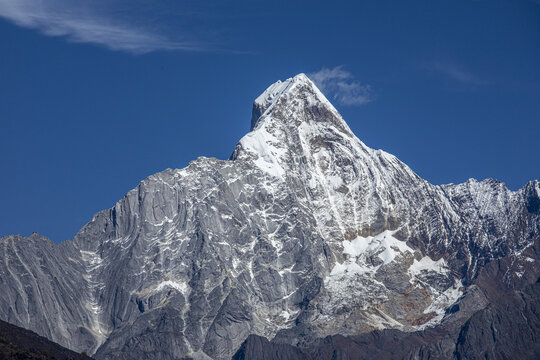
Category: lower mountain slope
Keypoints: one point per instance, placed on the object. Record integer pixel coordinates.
(304, 233)
(505, 324)
(22, 344)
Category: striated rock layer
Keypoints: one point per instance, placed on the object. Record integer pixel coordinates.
(303, 233)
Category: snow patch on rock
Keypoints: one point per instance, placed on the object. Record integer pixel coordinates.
(427, 264)
(180, 286)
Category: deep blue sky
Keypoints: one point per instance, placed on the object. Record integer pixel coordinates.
(128, 88)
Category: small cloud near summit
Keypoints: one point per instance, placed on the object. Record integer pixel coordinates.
(340, 85)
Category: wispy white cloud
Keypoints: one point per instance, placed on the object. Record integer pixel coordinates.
(453, 72)
(86, 22)
(341, 85)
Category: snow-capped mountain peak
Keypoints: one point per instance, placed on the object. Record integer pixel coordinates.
(289, 119)
(300, 88)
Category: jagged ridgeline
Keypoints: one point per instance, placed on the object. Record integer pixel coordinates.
(305, 232)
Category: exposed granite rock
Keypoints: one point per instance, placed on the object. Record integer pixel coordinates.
(42, 284)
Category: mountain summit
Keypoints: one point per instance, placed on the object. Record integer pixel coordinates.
(287, 118)
(299, 87)
(304, 233)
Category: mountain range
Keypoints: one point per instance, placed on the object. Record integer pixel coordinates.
(304, 244)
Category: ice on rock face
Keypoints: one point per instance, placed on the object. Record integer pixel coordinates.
(304, 231)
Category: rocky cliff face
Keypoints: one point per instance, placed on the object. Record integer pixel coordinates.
(303, 233)
(41, 289)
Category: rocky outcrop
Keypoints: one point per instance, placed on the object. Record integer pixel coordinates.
(304, 233)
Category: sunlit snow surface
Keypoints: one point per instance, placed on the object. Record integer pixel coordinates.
(355, 279)
(180, 286)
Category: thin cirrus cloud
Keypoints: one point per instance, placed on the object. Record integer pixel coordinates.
(341, 85)
(453, 72)
(84, 22)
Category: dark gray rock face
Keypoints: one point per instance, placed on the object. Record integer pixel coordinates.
(302, 234)
(506, 329)
(21, 344)
(260, 348)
